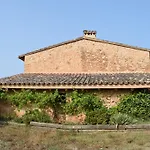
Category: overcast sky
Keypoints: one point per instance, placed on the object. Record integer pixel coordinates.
(26, 25)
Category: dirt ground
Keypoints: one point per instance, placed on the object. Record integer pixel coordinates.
(35, 138)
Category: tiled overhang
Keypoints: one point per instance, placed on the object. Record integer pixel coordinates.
(77, 80)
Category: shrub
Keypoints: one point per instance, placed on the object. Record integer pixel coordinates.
(34, 115)
(90, 105)
(6, 117)
(112, 110)
(98, 116)
(136, 105)
(121, 119)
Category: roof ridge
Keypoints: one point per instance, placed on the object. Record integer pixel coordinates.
(49, 47)
(78, 39)
(116, 43)
(77, 73)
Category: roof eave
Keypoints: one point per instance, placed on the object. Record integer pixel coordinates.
(74, 87)
(21, 57)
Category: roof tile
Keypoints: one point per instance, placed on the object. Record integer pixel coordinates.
(77, 79)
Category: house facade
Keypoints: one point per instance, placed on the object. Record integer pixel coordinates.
(110, 69)
(87, 55)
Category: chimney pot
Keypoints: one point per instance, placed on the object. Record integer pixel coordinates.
(89, 33)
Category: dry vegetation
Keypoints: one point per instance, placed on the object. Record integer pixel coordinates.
(33, 138)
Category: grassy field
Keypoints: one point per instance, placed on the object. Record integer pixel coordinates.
(33, 138)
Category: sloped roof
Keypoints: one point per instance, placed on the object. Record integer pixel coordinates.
(82, 38)
(77, 79)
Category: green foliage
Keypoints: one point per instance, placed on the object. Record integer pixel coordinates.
(121, 119)
(82, 102)
(2, 94)
(112, 110)
(136, 105)
(97, 116)
(49, 99)
(53, 100)
(91, 105)
(34, 115)
(29, 99)
(42, 100)
(21, 98)
(6, 117)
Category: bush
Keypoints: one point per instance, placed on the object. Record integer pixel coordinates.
(136, 105)
(6, 117)
(34, 115)
(112, 110)
(98, 116)
(121, 119)
(90, 105)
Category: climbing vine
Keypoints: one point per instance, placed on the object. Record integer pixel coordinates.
(82, 102)
(136, 105)
(36, 103)
(23, 98)
(31, 99)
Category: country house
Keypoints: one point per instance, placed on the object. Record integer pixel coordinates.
(107, 68)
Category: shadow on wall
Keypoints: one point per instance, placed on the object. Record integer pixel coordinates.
(6, 110)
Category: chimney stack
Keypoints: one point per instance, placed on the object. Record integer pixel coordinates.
(89, 33)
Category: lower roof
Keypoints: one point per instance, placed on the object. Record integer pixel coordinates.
(76, 80)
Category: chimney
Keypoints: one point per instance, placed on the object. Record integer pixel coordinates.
(89, 33)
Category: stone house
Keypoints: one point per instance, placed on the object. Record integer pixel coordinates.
(107, 68)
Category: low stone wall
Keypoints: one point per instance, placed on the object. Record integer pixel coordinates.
(92, 127)
(83, 127)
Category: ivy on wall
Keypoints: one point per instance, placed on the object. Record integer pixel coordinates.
(133, 106)
(82, 102)
(136, 105)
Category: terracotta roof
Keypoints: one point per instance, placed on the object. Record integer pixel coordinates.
(80, 79)
(82, 38)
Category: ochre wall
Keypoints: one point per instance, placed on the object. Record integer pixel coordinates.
(88, 56)
(111, 97)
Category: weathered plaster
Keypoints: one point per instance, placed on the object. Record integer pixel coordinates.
(88, 56)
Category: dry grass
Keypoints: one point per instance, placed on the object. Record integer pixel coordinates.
(32, 138)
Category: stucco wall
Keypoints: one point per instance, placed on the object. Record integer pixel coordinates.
(66, 58)
(88, 56)
(111, 97)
